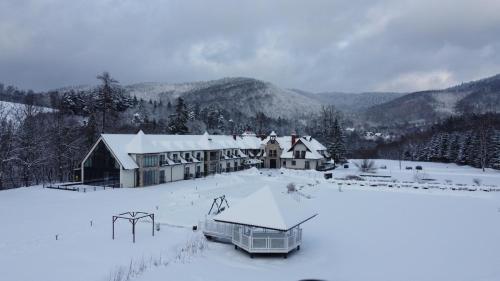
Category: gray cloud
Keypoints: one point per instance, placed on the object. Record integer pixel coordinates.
(312, 45)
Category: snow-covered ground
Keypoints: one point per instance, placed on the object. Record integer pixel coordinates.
(12, 109)
(361, 233)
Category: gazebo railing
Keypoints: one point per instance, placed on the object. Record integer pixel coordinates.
(216, 229)
(256, 241)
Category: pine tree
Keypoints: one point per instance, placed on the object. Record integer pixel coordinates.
(451, 153)
(463, 144)
(178, 122)
(109, 98)
(495, 150)
(336, 145)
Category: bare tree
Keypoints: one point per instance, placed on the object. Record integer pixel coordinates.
(366, 166)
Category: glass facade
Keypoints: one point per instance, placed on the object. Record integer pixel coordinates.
(149, 177)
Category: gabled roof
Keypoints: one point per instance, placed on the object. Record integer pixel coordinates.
(267, 208)
(285, 142)
(123, 145)
(118, 144)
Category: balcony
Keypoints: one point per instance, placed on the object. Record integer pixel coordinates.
(299, 155)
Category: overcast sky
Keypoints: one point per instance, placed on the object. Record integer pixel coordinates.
(312, 45)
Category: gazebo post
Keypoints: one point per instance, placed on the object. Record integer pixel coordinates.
(133, 230)
(153, 228)
(133, 218)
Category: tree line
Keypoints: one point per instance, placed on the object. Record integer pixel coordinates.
(40, 144)
(465, 140)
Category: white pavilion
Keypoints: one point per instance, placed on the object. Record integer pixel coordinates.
(267, 221)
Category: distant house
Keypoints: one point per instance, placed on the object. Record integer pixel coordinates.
(135, 160)
(293, 152)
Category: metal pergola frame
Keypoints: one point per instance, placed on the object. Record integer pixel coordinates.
(133, 218)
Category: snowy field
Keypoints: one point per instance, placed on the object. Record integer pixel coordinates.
(11, 110)
(362, 233)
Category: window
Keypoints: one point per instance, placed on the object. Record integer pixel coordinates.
(175, 158)
(187, 155)
(228, 153)
(198, 169)
(162, 160)
(273, 153)
(198, 156)
(150, 160)
(162, 176)
(307, 165)
(303, 154)
(294, 163)
(297, 154)
(228, 165)
(284, 163)
(149, 177)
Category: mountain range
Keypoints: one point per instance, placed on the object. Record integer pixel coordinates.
(427, 106)
(248, 96)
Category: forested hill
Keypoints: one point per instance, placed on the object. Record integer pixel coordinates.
(246, 96)
(429, 106)
(467, 140)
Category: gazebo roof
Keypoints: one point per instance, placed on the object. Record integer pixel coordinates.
(267, 208)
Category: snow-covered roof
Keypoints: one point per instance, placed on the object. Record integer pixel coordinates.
(123, 145)
(267, 208)
(141, 143)
(248, 142)
(118, 144)
(253, 161)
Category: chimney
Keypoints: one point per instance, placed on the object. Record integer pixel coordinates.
(294, 137)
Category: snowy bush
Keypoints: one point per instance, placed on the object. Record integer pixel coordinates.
(366, 166)
(291, 187)
(354, 177)
(476, 181)
(193, 246)
(420, 177)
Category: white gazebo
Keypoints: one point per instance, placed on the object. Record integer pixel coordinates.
(267, 221)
